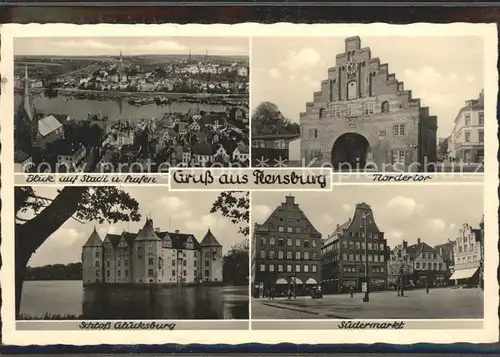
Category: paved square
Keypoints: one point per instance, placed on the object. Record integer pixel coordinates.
(443, 303)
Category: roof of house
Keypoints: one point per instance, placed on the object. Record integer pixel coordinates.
(94, 240)
(204, 148)
(209, 119)
(113, 238)
(242, 148)
(414, 250)
(20, 157)
(179, 239)
(48, 125)
(209, 240)
(147, 232)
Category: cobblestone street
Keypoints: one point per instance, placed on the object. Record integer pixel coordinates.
(438, 304)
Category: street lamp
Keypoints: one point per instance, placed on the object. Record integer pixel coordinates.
(367, 291)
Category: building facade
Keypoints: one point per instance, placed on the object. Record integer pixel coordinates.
(152, 256)
(447, 252)
(467, 137)
(399, 265)
(428, 267)
(363, 114)
(286, 250)
(467, 252)
(343, 254)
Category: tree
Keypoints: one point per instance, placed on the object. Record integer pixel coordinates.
(268, 119)
(101, 204)
(234, 205)
(235, 270)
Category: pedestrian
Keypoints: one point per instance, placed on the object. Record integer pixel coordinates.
(398, 289)
(352, 292)
(402, 289)
(427, 287)
(271, 294)
(289, 293)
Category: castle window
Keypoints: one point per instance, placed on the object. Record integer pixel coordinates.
(297, 268)
(97, 273)
(313, 268)
(280, 254)
(97, 264)
(262, 267)
(280, 268)
(306, 244)
(385, 107)
(289, 255)
(369, 108)
(297, 255)
(481, 118)
(322, 113)
(398, 130)
(97, 254)
(207, 273)
(150, 272)
(352, 90)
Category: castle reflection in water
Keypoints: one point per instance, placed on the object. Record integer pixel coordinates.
(115, 302)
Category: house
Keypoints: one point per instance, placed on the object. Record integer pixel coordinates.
(71, 157)
(429, 266)
(183, 126)
(241, 153)
(213, 121)
(204, 152)
(22, 162)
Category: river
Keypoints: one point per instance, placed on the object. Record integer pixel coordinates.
(68, 299)
(113, 109)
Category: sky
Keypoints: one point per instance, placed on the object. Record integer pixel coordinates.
(189, 212)
(432, 213)
(443, 71)
(111, 46)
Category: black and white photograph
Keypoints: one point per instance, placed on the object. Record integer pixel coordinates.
(364, 103)
(107, 253)
(130, 104)
(394, 252)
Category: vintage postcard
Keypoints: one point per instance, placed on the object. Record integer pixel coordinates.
(314, 180)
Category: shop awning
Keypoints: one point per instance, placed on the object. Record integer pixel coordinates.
(281, 281)
(311, 281)
(463, 273)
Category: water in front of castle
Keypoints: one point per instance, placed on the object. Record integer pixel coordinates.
(69, 300)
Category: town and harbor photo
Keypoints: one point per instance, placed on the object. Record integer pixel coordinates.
(130, 104)
(374, 104)
(394, 252)
(130, 253)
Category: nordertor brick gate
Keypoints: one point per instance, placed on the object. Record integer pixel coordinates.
(363, 114)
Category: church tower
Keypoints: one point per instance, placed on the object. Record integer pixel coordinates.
(26, 126)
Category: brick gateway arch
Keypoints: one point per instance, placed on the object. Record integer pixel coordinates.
(350, 150)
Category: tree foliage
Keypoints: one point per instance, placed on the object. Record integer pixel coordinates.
(234, 205)
(102, 204)
(268, 119)
(235, 271)
(71, 271)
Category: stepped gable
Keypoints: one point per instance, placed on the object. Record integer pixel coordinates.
(356, 224)
(147, 232)
(94, 240)
(209, 240)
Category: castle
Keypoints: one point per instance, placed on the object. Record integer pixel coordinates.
(151, 257)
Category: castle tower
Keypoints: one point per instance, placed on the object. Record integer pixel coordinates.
(146, 254)
(211, 257)
(92, 260)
